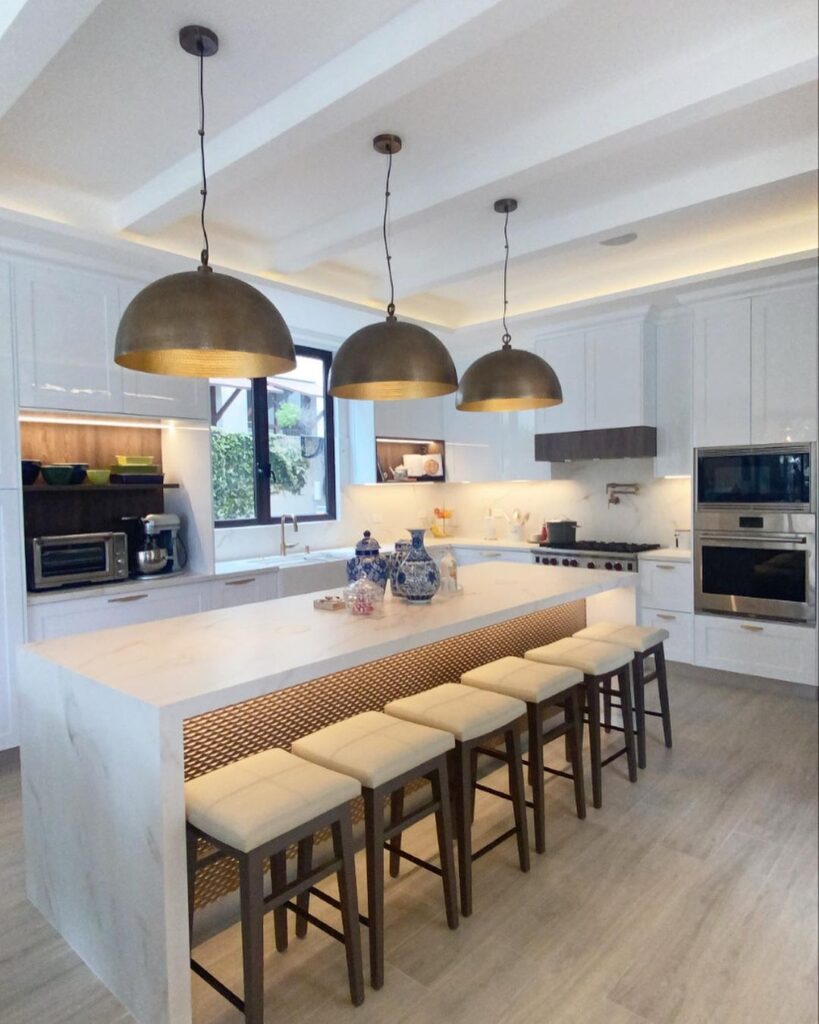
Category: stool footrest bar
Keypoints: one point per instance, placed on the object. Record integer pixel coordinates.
(411, 819)
(613, 757)
(322, 926)
(417, 861)
(214, 983)
(495, 842)
(498, 792)
(333, 902)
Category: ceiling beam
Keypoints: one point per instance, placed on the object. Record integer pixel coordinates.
(32, 32)
(683, 94)
(418, 45)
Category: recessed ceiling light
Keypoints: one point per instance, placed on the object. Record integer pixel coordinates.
(620, 239)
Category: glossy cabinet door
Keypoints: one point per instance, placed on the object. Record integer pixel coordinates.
(66, 322)
(674, 440)
(518, 451)
(566, 354)
(12, 611)
(666, 585)
(784, 365)
(722, 373)
(9, 451)
(619, 376)
(155, 394)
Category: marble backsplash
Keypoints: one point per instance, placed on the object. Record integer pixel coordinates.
(577, 491)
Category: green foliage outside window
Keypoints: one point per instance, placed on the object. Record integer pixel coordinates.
(233, 472)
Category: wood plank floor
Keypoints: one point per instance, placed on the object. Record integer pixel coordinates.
(690, 898)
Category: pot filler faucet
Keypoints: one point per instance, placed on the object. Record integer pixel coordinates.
(613, 491)
(285, 547)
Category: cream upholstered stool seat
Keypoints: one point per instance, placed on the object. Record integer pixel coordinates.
(383, 754)
(600, 663)
(473, 717)
(645, 642)
(253, 810)
(540, 687)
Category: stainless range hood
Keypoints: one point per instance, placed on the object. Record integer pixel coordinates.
(611, 443)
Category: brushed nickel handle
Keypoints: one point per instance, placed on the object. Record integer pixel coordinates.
(661, 566)
(127, 599)
(490, 554)
(670, 618)
(751, 629)
(240, 583)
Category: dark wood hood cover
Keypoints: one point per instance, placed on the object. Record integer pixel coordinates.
(614, 443)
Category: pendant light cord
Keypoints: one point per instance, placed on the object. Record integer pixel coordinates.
(507, 337)
(204, 190)
(391, 305)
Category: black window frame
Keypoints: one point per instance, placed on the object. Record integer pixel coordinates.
(261, 450)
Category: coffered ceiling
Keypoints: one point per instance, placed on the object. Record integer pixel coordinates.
(693, 124)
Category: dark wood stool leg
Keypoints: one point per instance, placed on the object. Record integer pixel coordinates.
(534, 718)
(662, 687)
(191, 845)
(251, 897)
(278, 881)
(574, 711)
(461, 786)
(374, 846)
(473, 782)
(304, 867)
(396, 813)
(514, 756)
(607, 710)
(623, 677)
(439, 780)
(638, 675)
(348, 898)
(593, 708)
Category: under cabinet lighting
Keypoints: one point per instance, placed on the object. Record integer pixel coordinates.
(87, 421)
(677, 476)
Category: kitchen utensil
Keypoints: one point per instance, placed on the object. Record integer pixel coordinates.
(98, 477)
(30, 470)
(152, 559)
(62, 475)
(561, 531)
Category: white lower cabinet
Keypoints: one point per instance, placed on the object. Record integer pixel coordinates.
(680, 625)
(775, 650)
(305, 579)
(88, 614)
(474, 556)
(12, 611)
(227, 593)
(667, 585)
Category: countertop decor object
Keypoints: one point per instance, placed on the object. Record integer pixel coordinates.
(508, 380)
(399, 554)
(329, 603)
(364, 597)
(418, 576)
(368, 562)
(201, 323)
(391, 359)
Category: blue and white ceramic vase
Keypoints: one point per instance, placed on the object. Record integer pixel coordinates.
(402, 548)
(368, 563)
(418, 577)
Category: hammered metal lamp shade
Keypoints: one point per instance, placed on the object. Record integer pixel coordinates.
(391, 360)
(204, 324)
(508, 380)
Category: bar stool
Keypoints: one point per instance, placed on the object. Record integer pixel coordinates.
(473, 717)
(384, 754)
(600, 663)
(253, 810)
(645, 642)
(540, 687)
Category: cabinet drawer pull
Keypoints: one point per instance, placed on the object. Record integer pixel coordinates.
(490, 554)
(669, 618)
(751, 629)
(661, 566)
(240, 583)
(127, 599)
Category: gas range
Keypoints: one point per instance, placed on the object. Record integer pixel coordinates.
(617, 556)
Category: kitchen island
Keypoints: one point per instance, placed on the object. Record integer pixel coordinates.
(112, 723)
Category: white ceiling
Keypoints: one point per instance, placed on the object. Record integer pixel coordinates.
(694, 124)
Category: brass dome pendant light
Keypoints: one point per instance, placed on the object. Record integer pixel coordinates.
(391, 360)
(509, 379)
(201, 323)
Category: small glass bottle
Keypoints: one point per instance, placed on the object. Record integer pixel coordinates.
(449, 573)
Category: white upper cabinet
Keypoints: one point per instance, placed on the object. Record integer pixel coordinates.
(421, 418)
(674, 443)
(566, 354)
(722, 373)
(9, 464)
(784, 366)
(66, 322)
(154, 394)
(620, 375)
(12, 611)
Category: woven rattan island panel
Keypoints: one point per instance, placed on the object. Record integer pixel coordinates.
(277, 719)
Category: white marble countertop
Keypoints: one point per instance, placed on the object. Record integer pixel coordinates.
(666, 555)
(191, 664)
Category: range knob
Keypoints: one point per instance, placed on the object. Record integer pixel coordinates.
(590, 565)
(573, 563)
(552, 561)
(609, 565)
(565, 561)
(618, 566)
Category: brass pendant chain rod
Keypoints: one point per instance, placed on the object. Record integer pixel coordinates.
(391, 305)
(204, 190)
(507, 337)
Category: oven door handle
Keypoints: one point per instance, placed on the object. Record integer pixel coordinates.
(768, 540)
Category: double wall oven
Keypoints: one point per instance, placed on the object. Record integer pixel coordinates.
(755, 532)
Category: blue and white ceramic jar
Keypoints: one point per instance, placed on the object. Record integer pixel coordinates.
(418, 577)
(368, 563)
(402, 548)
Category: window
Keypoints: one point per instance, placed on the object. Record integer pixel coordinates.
(272, 445)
